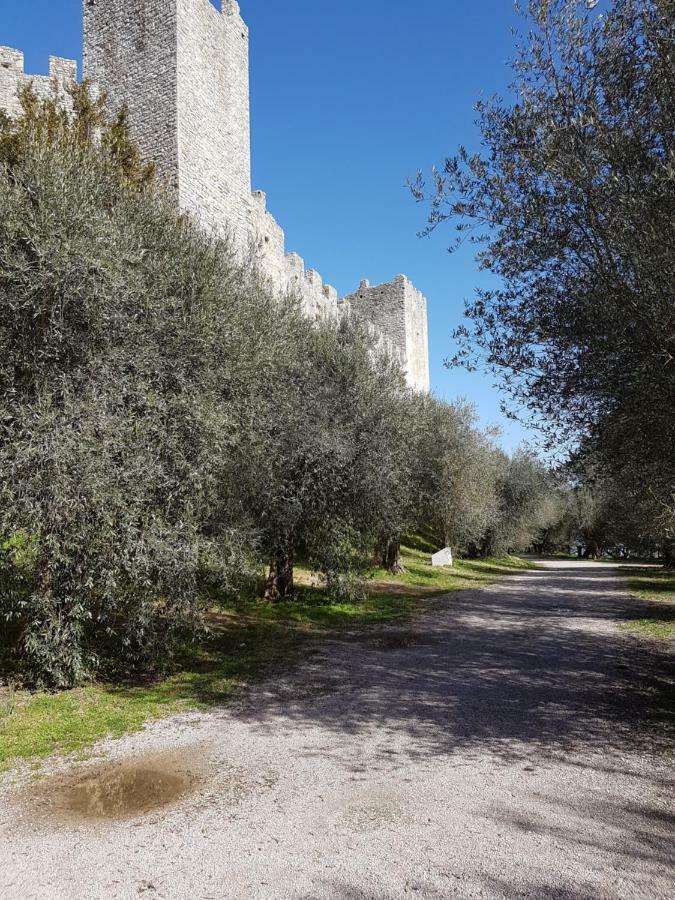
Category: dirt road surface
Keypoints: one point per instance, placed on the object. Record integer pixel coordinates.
(512, 742)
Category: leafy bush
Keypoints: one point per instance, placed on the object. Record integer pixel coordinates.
(167, 424)
(169, 427)
(131, 352)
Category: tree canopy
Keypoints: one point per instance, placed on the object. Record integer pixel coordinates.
(571, 204)
(173, 433)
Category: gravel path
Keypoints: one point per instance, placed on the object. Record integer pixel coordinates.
(515, 743)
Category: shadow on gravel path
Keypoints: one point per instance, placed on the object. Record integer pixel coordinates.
(510, 743)
(534, 665)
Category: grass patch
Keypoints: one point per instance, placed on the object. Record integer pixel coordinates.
(656, 586)
(244, 641)
(38, 724)
(390, 597)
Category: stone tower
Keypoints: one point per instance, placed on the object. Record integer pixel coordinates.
(398, 310)
(181, 67)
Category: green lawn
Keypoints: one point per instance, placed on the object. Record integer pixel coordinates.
(657, 586)
(37, 724)
(244, 641)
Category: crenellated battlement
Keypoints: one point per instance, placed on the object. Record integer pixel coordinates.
(64, 70)
(181, 67)
(230, 8)
(13, 77)
(12, 60)
(227, 8)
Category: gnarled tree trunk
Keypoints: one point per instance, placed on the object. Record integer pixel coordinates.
(388, 556)
(279, 585)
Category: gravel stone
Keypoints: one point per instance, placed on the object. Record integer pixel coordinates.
(520, 746)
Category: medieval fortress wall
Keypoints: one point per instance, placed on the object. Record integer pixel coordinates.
(62, 74)
(182, 69)
(399, 310)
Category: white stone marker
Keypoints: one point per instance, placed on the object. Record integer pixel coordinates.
(443, 558)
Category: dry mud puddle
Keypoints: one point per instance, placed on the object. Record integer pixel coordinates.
(117, 790)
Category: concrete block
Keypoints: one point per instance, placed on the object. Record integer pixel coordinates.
(443, 558)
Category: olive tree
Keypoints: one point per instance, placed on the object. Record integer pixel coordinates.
(526, 505)
(331, 467)
(131, 347)
(571, 205)
(456, 474)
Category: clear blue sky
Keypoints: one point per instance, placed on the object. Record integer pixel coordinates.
(349, 99)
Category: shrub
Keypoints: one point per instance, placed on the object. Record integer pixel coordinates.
(131, 348)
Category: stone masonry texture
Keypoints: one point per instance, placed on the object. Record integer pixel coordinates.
(398, 310)
(62, 74)
(182, 69)
(131, 53)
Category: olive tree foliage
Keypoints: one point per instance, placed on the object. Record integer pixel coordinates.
(51, 124)
(605, 514)
(470, 495)
(527, 504)
(594, 510)
(131, 353)
(337, 468)
(168, 426)
(170, 429)
(589, 510)
(443, 478)
(571, 204)
(456, 474)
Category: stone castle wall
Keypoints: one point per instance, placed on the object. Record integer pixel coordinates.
(129, 53)
(214, 136)
(398, 310)
(193, 117)
(182, 69)
(62, 75)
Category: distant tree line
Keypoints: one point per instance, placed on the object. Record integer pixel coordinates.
(571, 205)
(171, 432)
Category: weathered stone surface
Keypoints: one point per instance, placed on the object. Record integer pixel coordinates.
(62, 75)
(443, 558)
(182, 69)
(130, 50)
(399, 311)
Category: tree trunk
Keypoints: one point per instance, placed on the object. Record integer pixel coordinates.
(392, 558)
(388, 556)
(669, 555)
(279, 585)
(592, 550)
